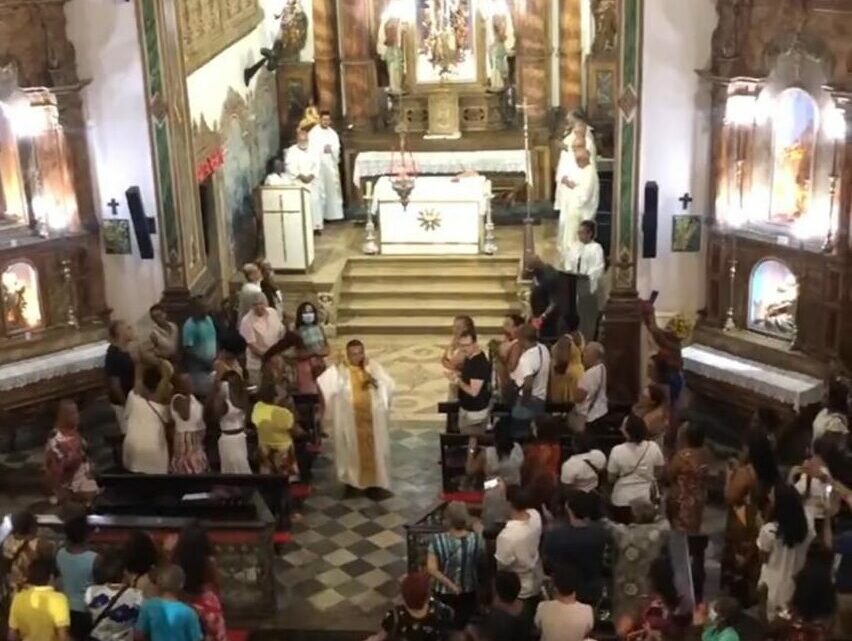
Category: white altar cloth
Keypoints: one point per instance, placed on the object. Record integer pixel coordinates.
(443, 216)
(369, 164)
(791, 388)
(40, 368)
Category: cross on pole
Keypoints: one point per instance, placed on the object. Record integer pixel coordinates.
(113, 205)
(686, 200)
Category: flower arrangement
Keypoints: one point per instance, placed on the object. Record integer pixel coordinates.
(210, 165)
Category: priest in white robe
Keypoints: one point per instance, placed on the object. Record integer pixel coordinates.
(578, 195)
(325, 143)
(357, 395)
(303, 165)
(586, 257)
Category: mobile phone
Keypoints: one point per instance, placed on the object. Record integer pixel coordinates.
(653, 297)
(828, 490)
(490, 484)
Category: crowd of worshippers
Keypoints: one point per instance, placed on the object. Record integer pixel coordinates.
(185, 398)
(142, 589)
(563, 549)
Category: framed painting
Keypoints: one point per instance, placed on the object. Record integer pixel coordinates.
(686, 233)
(117, 237)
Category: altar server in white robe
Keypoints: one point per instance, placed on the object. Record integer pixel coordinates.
(586, 257)
(326, 144)
(303, 166)
(357, 394)
(578, 194)
(278, 176)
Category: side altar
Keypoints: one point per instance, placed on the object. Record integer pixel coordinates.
(441, 216)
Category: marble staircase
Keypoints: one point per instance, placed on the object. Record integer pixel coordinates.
(419, 295)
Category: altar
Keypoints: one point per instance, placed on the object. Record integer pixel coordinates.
(443, 216)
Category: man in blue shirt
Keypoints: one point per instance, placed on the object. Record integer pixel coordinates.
(200, 346)
(166, 618)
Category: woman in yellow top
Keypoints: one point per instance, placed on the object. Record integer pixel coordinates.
(566, 368)
(276, 427)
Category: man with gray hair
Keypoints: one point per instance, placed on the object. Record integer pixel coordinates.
(261, 328)
(253, 277)
(591, 402)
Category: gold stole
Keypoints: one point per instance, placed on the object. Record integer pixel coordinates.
(362, 403)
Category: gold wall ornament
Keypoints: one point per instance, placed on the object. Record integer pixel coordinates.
(429, 219)
(208, 27)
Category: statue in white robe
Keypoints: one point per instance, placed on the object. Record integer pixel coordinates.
(389, 43)
(325, 143)
(586, 257)
(357, 394)
(303, 166)
(578, 196)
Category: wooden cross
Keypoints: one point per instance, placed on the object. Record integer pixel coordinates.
(113, 205)
(686, 200)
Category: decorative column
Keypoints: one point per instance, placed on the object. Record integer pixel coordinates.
(357, 68)
(325, 57)
(570, 55)
(531, 59)
(622, 326)
(171, 141)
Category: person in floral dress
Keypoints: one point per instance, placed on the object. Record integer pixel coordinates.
(66, 459)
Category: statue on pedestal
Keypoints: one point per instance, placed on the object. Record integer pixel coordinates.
(500, 43)
(293, 29)
(606, 26)
(389, 47)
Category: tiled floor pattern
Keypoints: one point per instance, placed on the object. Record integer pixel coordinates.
(348, 555)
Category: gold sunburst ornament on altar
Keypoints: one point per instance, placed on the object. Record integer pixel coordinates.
(429, 219)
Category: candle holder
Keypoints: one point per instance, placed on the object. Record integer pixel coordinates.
(828, 244)
(490, 246)
(730, 323)
(370, 247)
(67, 276)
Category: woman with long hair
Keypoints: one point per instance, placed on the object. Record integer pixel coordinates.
(812, 607)
(633, 468)
(783, 543)
(747, 489)
(188, 453)
(566, 368)
(232, 404)
(141, 558)
(653, 408)
(194, 554)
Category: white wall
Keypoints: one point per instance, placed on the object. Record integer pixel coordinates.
(675, 143)
(208, 86)
(106, 39)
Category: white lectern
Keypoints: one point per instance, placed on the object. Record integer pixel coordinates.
(287, 227)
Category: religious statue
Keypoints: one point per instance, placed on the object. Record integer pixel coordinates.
(730, 32)
(445, 33)
(500, 42)
(389, 48)
(293, 25)
(606, 26)
(310, 118)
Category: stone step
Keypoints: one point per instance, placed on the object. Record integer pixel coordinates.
(430, 287)
(401, 306)
(432, 260)
(486, 326)
(435, 270)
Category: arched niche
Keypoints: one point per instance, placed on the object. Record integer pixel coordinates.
(21, 297)
(773, 294)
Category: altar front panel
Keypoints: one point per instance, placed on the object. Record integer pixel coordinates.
(287, 227)
(442, 217)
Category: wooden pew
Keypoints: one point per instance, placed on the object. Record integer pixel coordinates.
(451, 410)
(235, 495)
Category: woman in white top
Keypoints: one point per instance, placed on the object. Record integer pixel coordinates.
(783, 543)
(145, 449)
(582, 470)
(232, 404)
(188, 454)
(633, 468)
(833, 417)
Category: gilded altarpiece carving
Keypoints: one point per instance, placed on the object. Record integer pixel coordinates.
(210, 26)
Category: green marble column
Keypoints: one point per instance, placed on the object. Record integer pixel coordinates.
(621, 330)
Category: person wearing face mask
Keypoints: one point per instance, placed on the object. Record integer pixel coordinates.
(311, 361)
(303, 165)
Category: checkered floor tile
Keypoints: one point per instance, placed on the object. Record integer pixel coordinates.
(348, 554)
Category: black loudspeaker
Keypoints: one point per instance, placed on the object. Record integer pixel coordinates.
(649, 220)
(140, 222)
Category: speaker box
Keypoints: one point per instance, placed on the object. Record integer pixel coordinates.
(649, 220)
(140, 223)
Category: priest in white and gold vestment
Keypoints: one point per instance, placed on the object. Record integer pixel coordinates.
(357, 393)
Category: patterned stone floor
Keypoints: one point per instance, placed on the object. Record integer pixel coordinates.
(348, 554)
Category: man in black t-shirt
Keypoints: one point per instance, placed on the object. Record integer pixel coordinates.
(120, 369)
(474, 383)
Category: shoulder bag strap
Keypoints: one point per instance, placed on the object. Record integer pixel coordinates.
(108, 608)
(639, 462)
